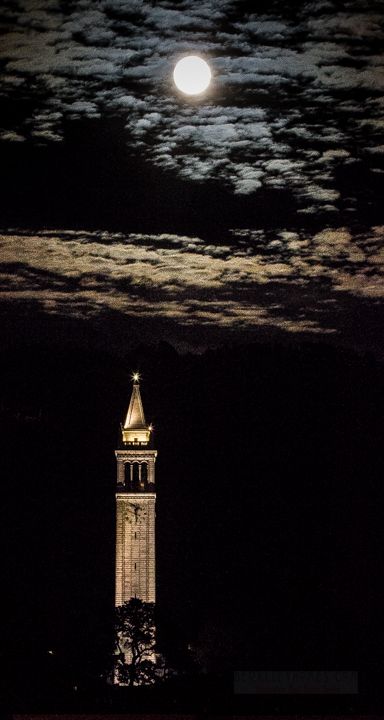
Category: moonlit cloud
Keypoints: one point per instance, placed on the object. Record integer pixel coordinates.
(291, 127)
(289, 280)
(269, 120)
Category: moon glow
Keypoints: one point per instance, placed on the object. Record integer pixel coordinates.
(192, 75)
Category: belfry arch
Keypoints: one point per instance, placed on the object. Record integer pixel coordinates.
(136, 475)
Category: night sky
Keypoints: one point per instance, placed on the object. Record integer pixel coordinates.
(230, 247)
(252, 210)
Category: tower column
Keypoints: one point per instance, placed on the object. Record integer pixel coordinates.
(151, 470)
(120, 472)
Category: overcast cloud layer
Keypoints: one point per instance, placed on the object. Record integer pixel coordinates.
(294, 97)
(296, 283)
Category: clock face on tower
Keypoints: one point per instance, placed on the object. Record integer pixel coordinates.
(135, 513)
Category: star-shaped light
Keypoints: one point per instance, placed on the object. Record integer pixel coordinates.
(135, 377)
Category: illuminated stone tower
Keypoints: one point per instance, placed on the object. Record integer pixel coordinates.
(135, 506)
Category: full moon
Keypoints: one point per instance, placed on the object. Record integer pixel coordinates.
(192, 75)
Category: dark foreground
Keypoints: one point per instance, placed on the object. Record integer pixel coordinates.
(270, 536)
(202, 696)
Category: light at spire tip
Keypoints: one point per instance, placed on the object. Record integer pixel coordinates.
(135, 377)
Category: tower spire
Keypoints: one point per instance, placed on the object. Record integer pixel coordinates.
(135, 429)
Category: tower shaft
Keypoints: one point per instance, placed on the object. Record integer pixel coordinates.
(135, 508)
(135, 547)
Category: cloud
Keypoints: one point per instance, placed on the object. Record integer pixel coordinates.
(286, 281)
(273, 78)
(11, 136)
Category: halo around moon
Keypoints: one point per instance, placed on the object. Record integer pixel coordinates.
(192, 75)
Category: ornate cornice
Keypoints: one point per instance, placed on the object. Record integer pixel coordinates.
(135, 497)
(136, 454)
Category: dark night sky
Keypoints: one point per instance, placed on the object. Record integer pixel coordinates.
(269, 510)
(242, 230)
(251, 210)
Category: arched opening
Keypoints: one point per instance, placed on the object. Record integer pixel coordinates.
(127, 475)
(144, 474)
(135, 476)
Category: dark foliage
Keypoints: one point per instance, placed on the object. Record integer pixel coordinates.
(135, 658)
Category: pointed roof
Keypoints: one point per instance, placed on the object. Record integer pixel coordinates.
(135, 416)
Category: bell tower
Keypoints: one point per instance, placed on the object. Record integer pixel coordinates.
(135, 505)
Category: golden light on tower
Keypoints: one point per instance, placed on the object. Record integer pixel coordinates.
(135, 429)
(135, 568)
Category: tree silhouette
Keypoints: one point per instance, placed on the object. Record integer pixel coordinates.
(135, 658)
